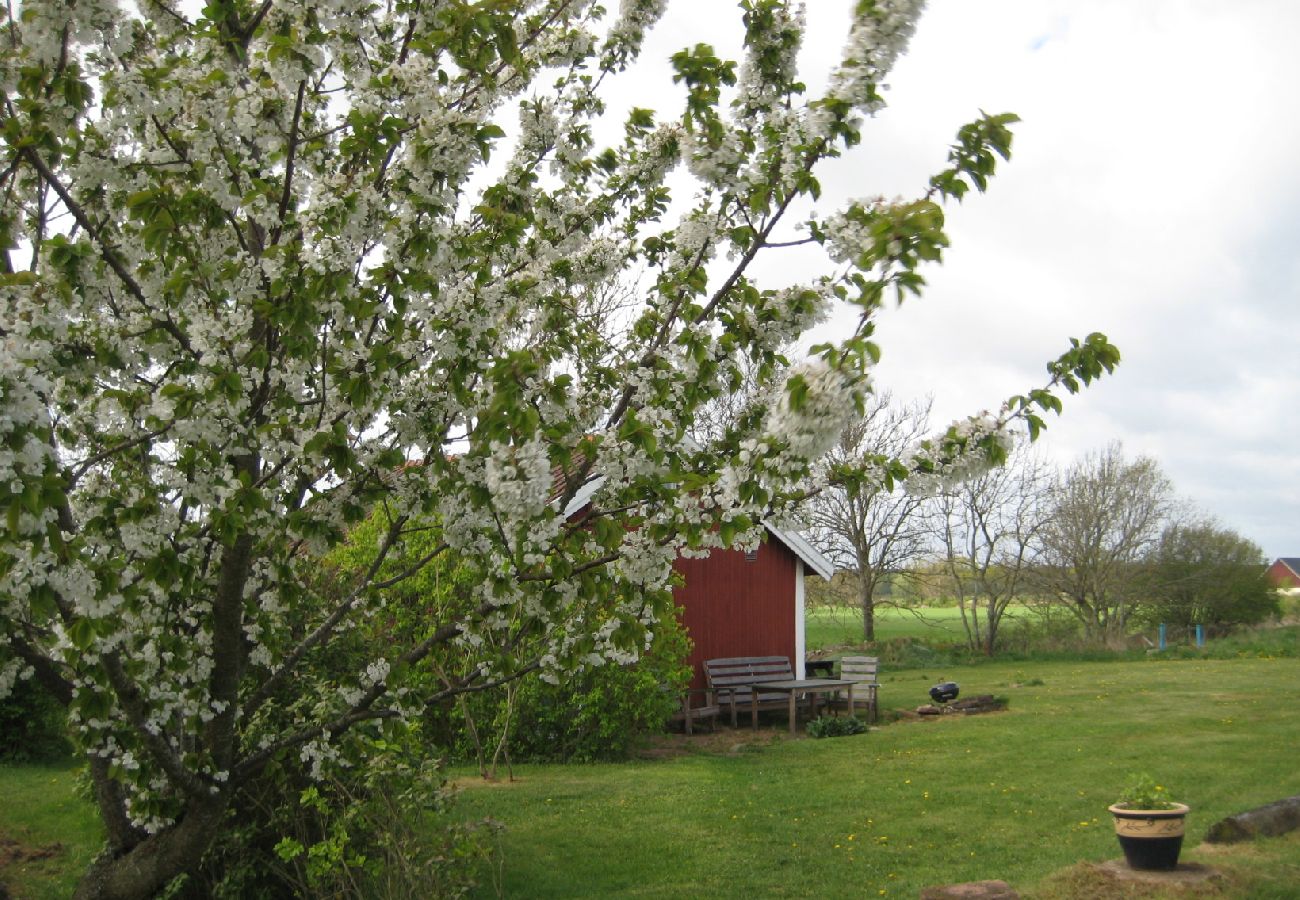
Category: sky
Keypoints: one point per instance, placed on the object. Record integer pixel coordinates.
(1153, 195)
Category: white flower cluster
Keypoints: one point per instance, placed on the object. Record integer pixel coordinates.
(10, 673)
(376, 673)
(644, 562)
(519, 478)
(811, 427)
(44, 23)
(771, 59)
(318, 754)
(628, 31)
(879, 35)
(717, 165)
(937, 465)
(850, 234)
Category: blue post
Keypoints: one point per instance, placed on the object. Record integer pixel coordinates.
(1200, 635)
(1162, 635)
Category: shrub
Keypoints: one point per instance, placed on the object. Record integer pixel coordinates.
(599, 714)
(1203, 574)
(33, 725)
(378, 830)
(595, 714)
(835, 726)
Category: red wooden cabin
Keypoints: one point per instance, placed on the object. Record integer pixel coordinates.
(739, 604)
(736, 603)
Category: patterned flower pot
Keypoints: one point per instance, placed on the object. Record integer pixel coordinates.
(1151, 838)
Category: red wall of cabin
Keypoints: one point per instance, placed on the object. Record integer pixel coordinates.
(733, 606)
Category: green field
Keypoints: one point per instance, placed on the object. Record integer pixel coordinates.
(831, 627)
(1019, 795)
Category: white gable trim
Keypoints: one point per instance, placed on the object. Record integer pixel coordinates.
(801, 548)
(800, 629)
(583, 496)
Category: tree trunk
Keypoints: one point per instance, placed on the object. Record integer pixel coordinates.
(150, 865)
(1271, 821)
(111, 800)
(866, 597)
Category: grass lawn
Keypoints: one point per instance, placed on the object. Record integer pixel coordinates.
(1020, 795)
(48, 834)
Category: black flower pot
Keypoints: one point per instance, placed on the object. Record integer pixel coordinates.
(1151, 838)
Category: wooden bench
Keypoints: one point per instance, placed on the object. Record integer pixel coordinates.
(688, 714)
(738, 675)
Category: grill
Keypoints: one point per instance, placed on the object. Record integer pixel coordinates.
(944, 692)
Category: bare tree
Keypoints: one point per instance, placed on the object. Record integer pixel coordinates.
(987, 526)
(1106, 515)
(870, 531)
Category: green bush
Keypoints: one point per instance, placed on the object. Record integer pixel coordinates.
(911, 653)
(1258, 643)
(33, 725)
(1211, 576)
(599, 714)
(383, 829)
(835, 726)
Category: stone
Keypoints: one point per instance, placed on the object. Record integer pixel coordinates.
(971, 890)
(1186, 875)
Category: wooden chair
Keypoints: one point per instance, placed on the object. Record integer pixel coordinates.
(864, 671)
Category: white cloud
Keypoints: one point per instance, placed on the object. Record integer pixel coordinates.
(1153, 195)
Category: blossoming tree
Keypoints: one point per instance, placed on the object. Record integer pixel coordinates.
(260, 257)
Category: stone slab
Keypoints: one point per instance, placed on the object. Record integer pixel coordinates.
(1187, 874)
(971, 890)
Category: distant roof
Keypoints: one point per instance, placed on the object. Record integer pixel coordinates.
(1292, 563)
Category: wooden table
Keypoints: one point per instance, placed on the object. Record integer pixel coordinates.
(795, 687)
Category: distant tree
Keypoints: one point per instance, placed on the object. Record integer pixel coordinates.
(1105, 516)
(1202, 574)
(868, 529)
(987, 526)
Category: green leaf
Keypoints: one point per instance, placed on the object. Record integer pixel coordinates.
(82, 634)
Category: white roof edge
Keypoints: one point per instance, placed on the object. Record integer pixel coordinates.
(801, 548)
(583, 496)
(797, 543)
